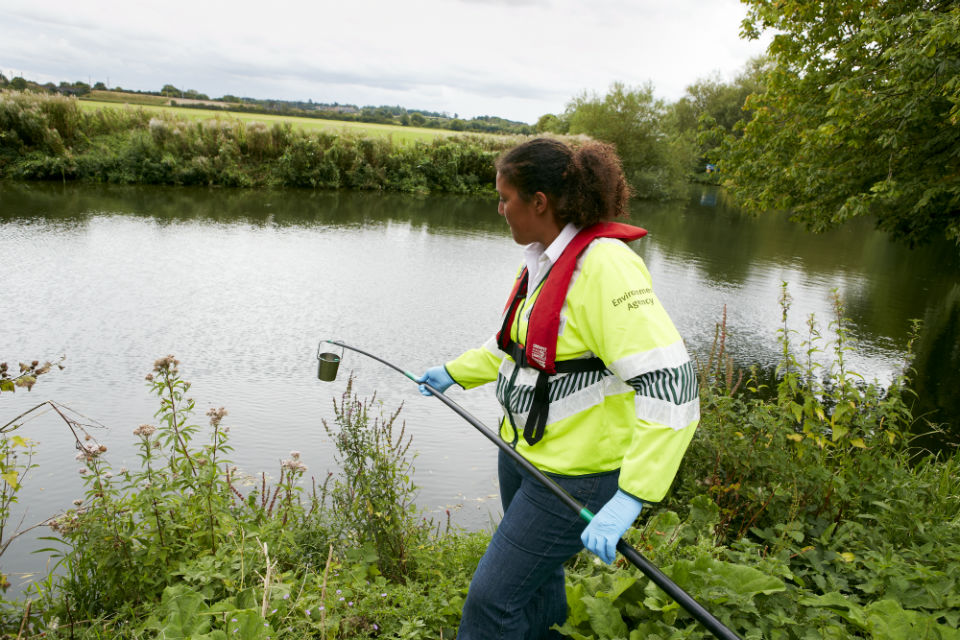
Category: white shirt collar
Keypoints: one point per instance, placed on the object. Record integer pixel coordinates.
(539, 259)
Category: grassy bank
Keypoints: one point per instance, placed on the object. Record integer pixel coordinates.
(398, 134)
(55, 138)
(800, 511)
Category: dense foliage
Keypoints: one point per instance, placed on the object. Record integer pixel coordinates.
(712, 109)
(662, 146)
(801, 511)
(633, 120)
(50, 138)
(798, 513)
(860, 116)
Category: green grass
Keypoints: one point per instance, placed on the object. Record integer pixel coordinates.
(123, 97)
(397, 133)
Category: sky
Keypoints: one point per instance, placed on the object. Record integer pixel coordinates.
(517, 59)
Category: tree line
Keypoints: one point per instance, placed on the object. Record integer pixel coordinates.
(384, 114)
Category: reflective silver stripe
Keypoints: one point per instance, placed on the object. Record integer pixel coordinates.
(678, 385)
(492, 346)
(559, 387)
(671, 356)
(675, 416)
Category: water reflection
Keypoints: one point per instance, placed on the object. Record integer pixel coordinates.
(283, 208)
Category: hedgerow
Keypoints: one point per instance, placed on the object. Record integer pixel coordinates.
(45, 137)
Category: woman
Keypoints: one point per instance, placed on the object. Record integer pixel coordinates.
(596, 385)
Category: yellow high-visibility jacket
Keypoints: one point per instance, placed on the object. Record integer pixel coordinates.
(638, 415)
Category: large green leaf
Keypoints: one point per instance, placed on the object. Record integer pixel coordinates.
(605, 618)
(182, 613)
(247, 624)
(714, 581)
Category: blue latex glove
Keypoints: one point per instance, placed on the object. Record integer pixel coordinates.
(609, 524)
(436, 377)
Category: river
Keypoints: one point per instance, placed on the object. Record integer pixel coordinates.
(241, 285)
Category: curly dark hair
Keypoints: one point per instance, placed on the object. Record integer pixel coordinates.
(585, 183)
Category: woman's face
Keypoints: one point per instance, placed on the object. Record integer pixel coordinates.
(521, 214)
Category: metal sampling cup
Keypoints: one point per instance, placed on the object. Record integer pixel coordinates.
(327, 362)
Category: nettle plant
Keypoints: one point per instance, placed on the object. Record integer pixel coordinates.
(797, 446)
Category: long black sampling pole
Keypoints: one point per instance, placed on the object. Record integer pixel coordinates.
(650, 570)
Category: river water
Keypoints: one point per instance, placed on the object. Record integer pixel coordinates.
(241, 285)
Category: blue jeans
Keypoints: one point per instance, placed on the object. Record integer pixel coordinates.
(517, 592)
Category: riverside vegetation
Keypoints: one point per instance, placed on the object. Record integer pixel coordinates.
(48, 137)
(801, 511)
(53, 137)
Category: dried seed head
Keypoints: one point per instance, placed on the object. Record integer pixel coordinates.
(166, 365)
(216, 416)
(145, 430)
(293, 465)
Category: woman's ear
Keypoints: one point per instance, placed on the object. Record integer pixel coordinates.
(540, 201)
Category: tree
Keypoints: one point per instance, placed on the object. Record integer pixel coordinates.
(170, 91)
(18, 83)
(550, 123)
(860, 116)
(713, 109)
(633, 121)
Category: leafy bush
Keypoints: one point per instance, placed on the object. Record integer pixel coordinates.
(799, 512)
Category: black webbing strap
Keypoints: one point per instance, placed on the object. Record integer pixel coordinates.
(540, 406)
(537, 418)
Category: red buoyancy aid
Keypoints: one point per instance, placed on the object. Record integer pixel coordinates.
(540, 345)
(540, 348)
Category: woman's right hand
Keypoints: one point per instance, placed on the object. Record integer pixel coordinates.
(436, 377)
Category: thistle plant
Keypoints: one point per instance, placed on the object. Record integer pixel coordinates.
(26, 377)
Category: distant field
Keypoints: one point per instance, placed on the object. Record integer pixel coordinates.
(125, 98)
(399, 134)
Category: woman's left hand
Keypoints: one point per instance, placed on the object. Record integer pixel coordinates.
(609, 524)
